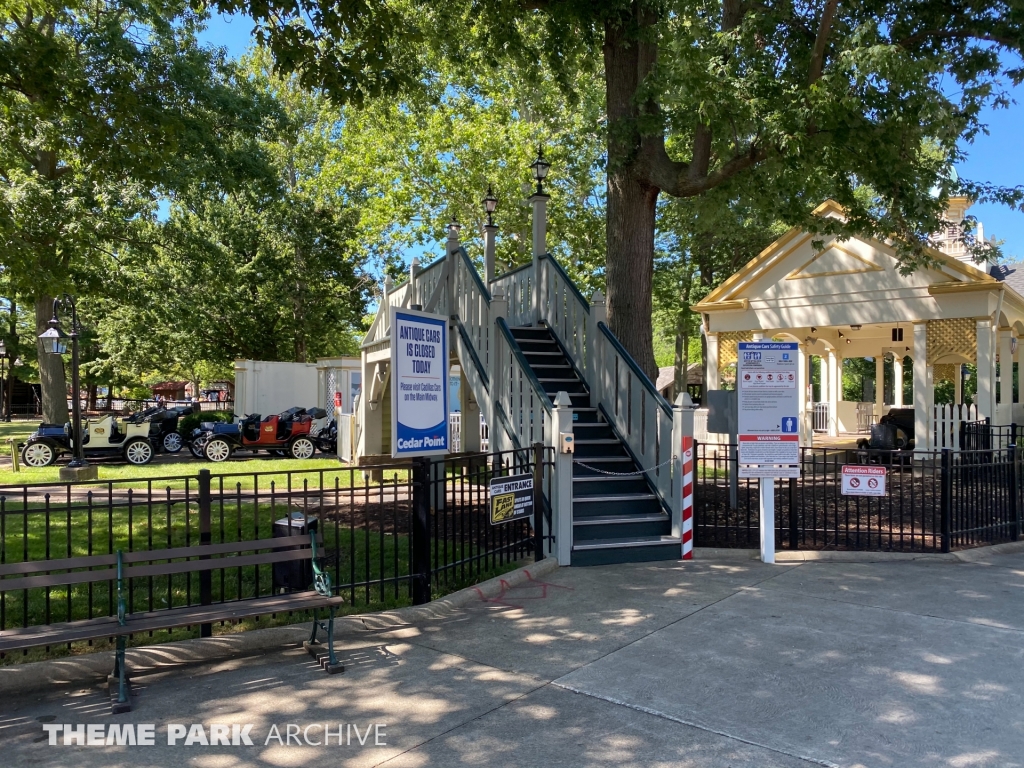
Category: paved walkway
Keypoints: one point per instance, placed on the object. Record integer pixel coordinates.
(717, 664)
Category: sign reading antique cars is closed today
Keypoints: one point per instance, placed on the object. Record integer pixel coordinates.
(419, 383)
(511, 498)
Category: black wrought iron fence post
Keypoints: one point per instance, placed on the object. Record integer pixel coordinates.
(205, 577)
(421, 531)
(946, 498)
(1014, 490)
(794, 530)
(538, 502)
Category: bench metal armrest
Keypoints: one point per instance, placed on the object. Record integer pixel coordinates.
(122, 606)
(321, 578)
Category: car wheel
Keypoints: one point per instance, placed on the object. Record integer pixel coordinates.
(301, 448)
(218, 449)
(172, 442)
(38, 455)
(138, 451)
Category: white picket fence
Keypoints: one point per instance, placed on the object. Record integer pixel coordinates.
(455, 433)
(946, 419)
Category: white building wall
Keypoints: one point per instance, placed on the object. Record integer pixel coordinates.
(268, 388)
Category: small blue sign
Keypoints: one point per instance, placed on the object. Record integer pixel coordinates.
(789, 424)
(785, 355)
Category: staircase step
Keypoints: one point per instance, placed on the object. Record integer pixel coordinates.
(620, 527)
(586, 415)
(603, 485)
(530, 332)
(626, 550)
(539, 345)
(597, 449)
(609, 463)
(615, 504)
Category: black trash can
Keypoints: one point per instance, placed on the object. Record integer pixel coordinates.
(293, 575)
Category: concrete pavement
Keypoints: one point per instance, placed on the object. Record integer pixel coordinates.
(721, 663)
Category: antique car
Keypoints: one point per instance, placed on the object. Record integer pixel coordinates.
(163, 426)
(105, 437)
(287, 433)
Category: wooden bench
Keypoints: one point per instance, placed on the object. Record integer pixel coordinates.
(121, 566)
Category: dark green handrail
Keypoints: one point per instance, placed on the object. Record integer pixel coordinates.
(644, 380)
(520, 268)
(521, 358)
(569, 282)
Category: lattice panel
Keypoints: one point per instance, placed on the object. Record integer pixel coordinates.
(727, 346)
(945, 372)
(952, 336)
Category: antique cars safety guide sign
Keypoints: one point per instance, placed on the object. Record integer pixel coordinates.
(767, 406)
(419, 383)
(511, 498)
(863, 481)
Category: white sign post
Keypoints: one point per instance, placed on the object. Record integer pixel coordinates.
(769, 441)
(419, 383)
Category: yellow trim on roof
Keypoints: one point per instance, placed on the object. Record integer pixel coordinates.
(871, 266)
(957, 286)
(736, 305)
(720, 291)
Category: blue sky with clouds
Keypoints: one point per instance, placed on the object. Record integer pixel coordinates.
(996, 158)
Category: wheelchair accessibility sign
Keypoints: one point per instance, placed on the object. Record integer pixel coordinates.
(511, 498)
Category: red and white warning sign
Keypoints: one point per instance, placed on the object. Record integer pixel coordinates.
(863, 481)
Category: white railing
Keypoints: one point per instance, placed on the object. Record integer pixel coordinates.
(346, 437)
(564, 310)
(947, 418)
(472, 305)
(640, 415)
(455, 433)
(431, 287)
(517, 286)
(819, 420)
(519, 398)
(380, 329)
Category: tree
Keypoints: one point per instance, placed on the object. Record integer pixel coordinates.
(104, 107)
(699, 93)
(270, 270)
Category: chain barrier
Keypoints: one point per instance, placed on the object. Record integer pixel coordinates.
(625, 474)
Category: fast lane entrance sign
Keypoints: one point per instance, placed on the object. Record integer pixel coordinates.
(768, 402)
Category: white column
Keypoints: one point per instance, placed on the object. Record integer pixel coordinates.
(801, 383)
(598, 314)
(499, 308)
(922, 413)
(370, 413)
(897, 379)
(562, 506)
(833, 393)
(711, 374)
(879, 384)
(1020, 385)
(540, 247)
(1004, 411)
(490, 235)
(823, 378)
(469, 423)
(414, 269)
(986, 364)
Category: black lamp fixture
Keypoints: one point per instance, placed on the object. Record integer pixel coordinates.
(54, 341)
(540, 168)
(490, 205)
(454, 227)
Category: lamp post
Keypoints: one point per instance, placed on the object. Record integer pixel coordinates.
(539, 201)
(490, 231)
(4, 412)
(55, 342)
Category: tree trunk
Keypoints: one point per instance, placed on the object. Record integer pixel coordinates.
(51, 369)
(632, 201)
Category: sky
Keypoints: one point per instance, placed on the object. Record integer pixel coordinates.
(995, 158)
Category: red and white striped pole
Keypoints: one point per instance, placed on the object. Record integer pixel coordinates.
(687, 525)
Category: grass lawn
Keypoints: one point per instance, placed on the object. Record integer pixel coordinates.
(320, 471)
(368, 560)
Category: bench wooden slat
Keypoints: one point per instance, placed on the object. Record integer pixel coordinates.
(139, 556)
(107, 626)
(213, 564)
(63, 564)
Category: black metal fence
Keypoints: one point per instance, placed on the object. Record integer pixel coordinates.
(934, 501)
(982, 435)
(393, 534)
